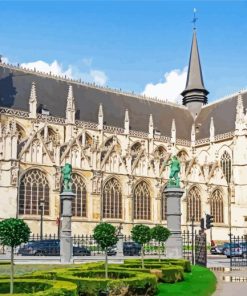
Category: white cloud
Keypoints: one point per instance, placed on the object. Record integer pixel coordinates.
(99, 77)
(170, 88)
(90, 75)
(53, 68)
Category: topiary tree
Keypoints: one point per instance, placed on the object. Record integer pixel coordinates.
(105, 235)
(13, 232)
(160, 234)
(141, 234)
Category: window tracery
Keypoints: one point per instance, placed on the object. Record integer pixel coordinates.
(226, 165)
(79, 203)
(217, 206)
(194, 205)
(33, 189)
(142, 202)
(112, 200)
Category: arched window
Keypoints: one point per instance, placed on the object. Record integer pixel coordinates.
(194, 205)
(142, 202)
(217, 206)
(163, 207)
(79, 203)
(135, 149)
(33, 189)
(112, 200)
(160, 153)
(226, 165)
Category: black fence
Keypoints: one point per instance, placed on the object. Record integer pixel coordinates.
(237, 251)
(85, 245)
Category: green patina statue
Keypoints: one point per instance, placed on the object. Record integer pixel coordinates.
(174, 180)
(66, 172)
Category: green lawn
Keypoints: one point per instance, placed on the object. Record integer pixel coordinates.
(28, 268)
(201, 282)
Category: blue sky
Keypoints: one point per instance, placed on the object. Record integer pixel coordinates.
(130, 44)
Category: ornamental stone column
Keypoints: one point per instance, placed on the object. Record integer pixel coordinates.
(66, 241)
(174, 244)
(173, 193)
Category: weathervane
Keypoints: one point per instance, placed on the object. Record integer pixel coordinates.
(194, 19)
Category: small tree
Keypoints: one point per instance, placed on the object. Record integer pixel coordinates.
(141, 234)
(106, 236)
(13, 232)
(160, 234)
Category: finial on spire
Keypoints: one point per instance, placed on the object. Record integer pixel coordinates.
(194, 19)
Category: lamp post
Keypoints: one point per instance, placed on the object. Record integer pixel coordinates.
(41, 209)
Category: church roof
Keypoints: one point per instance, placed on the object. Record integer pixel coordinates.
(223, 113)
(15, 86)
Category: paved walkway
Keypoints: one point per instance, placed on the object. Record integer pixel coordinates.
(231, 283)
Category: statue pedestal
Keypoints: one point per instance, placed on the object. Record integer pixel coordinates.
(66, 243)
(174, 244)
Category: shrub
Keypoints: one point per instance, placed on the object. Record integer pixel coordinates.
(39, 288)
(106, 236)
(160, 234)
(90, 282)
(13, 232)
(180, 262)
(141, 234)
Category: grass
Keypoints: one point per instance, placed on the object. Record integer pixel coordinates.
(28, 268)
(201, 282)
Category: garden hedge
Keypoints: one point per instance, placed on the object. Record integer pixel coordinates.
(180, 262)
(169, 273)
(90, 282)
(38, 287)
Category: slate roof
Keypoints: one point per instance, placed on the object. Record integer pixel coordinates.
(223, 113)
(15, 86)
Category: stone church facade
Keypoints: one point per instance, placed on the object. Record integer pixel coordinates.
(118, 144)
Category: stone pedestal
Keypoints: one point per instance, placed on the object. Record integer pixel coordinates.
(174, 244)
(120, 246)
(66, 243)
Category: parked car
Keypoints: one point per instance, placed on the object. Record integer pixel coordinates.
(131, 249)
(217, 250)
(238, 250)
(49, 247)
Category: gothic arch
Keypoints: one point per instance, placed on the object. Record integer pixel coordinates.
(183, 155)
(33, 188)
(217, 206)
(79, 203)
(226, 165)
(142, 201)
(112, 199)
(194, 204)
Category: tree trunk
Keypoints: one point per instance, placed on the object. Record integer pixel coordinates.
(12, 271)
(142, 257)
(159, 251)
(106, 264)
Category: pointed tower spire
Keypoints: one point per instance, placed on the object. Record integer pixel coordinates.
(33, 101)
(100, 118)
(212, 130)
(70, 108)
(151, 126)
(173, 132)
(195, 93)
(126, 122)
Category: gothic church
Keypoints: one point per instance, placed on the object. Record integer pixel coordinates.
(117, 144)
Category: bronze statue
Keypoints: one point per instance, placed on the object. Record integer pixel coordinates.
(174, 180)
(66, 173)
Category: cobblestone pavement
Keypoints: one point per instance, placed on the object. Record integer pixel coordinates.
(231, 282)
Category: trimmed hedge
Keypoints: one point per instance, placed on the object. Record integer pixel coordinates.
(178, 262)
(90, 282)
(38, 287)
(170, 274)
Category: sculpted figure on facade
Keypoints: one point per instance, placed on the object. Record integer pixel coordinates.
(66, 174)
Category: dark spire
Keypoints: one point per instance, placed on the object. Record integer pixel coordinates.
(195, 90)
